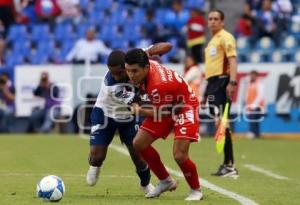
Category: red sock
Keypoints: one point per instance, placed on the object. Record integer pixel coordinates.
(152, 158)
(189, 171)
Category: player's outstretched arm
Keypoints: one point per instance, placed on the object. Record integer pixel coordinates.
(159, 48)
(142, 111)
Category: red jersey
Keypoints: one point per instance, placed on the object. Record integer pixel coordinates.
(196, 31)
(6, 3)
(166, 87)
(196, 27)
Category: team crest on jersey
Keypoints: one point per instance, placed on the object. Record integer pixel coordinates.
(95, 128)
(229, 47)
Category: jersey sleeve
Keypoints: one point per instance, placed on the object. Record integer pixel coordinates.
(229, 46)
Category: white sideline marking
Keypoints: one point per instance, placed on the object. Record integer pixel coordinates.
(264, 171)
(243, 200)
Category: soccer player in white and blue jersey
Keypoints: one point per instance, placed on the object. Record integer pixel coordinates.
(112, 112)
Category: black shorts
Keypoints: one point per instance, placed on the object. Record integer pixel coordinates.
(216, 94)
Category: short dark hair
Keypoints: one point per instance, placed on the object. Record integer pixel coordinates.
(137, 56)
(222, 15)
(253, 72)
(115, 58)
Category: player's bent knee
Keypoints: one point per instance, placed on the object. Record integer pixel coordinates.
(137, 145)
(180, 157)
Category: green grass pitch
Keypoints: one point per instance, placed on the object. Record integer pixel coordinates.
(25, 159)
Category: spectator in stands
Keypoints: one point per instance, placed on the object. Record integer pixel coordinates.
(2, 30)
(245, 23)
(177, 16)
(7, 98)
(175, 20)
(266, 23)
(193, 75)
(41, 119)
(196, 34)
(25, 10)
(70, 10)
(150, 27)
(255, 5)
(6, 13)
(254, 104)
(88, 49)
(149, 3)
(283, 8)
(2, 49)
(47, 10)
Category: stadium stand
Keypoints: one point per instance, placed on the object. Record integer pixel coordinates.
(120, 25)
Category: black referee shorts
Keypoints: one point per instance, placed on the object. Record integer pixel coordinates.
(216, 94)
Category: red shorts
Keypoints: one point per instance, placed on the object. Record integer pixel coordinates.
(185, 125)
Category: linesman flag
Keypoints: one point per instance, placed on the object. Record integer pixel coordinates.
(220, 134)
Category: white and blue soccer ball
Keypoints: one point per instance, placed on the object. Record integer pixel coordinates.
(50, 188)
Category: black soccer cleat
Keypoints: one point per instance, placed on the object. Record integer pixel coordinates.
(227, 171)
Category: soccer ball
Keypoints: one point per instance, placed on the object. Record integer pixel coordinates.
(50, 188)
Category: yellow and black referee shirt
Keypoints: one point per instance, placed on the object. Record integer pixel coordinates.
(220, 47)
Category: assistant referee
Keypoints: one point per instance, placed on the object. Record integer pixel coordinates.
(220, 72)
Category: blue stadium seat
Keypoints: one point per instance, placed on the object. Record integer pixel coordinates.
(66, 48)
(37, 57)
(255, 57)
(106, 15)
(139, 15)
(46, 47)
(174, 20)
(40, 32)
(82, 29)
(289, 46)
(63, 32)
(296, 57)
(84, 4)
(22, 47)
(277, 57)
(243, 48)
(295, 30)
(119, 16)
(119, 42)
(200, 4)
(107, 32)
(95, 17)
(16, 32)
(160, 14)
(103, 4)
(56, 56)
(132, 32)
(265, 46)
(14, 58)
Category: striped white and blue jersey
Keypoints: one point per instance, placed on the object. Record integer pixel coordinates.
(114, 98)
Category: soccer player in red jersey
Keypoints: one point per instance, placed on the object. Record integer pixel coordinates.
(174, 107)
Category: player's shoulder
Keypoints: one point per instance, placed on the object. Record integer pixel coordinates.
(227, 35)
(161, 77)
(109, 80)
(154, 63)
(157, 71)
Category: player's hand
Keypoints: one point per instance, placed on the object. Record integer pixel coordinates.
(230, 91)
(135, 108)
(203, 102)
